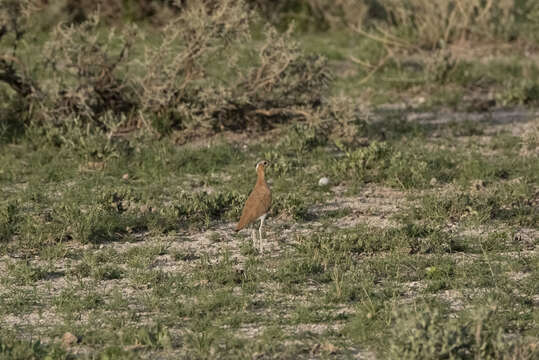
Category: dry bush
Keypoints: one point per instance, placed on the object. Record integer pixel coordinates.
(201, 73)
(180, 86)
(116, 12)
(426, 31)
(438, 22)
(426, 24)
(282, 11)
(342, 13)
(346, 120)
(16, 83)
(431, 24)
(175, 88)
(283, 83)
(85, 73)
(316, 14)
(13, 25)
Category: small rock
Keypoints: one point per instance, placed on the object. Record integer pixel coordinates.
(125, 176)
(433, 181)
(68, 339)
(323, 181)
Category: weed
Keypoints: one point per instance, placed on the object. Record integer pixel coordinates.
(502, 204)
(203, 208)
(440, 276)
(156, 336)
(17, 349)
(8, 221)
(405, 167)
(26, 274)
(223, 272)
(429, 334)
(520, 92)
(290, 205)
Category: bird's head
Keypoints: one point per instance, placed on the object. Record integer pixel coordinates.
(261, 165)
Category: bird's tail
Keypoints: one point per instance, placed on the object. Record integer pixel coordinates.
(240, 225)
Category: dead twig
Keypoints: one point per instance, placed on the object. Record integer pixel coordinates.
(280, 111)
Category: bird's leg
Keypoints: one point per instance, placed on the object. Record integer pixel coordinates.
(253, 237)
(260, 233)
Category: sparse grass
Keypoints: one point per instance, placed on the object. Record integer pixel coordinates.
(423, 243)
(19, 350)
(147, 264)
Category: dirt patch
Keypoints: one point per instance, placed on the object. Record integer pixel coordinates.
(316, 328)
(520, 120)
(453, 298)
(373, 207)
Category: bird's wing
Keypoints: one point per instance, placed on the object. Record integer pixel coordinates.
(257, 204)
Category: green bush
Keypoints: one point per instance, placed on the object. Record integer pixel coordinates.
(431, 335)
(20, 350)
(201, 208)
(9, 215)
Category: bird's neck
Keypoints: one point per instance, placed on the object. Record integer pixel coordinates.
(260, 178)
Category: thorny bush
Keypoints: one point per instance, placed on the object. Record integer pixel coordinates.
(196, 75)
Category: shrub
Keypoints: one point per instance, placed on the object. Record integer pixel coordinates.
(156, 11)
(276, 85)
(176, 86)
(86, 75)
(15, 83)
(9, 215)
(289, 205)
(316, 14)
(433, 24)
(118, 80)
(432, 29)
(201, 208)
(12, 348)
(430, 335)
(366, 163)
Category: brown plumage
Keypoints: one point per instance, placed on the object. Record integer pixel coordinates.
(258, 203)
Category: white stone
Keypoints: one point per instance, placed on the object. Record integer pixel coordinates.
(323, 181)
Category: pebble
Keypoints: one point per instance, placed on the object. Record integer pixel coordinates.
(323, 181)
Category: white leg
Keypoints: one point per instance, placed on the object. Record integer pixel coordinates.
(253, 237)
(260, 233)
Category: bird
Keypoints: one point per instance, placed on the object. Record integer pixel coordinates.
(257, 205)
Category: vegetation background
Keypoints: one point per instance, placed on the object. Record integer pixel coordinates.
(128, 134)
